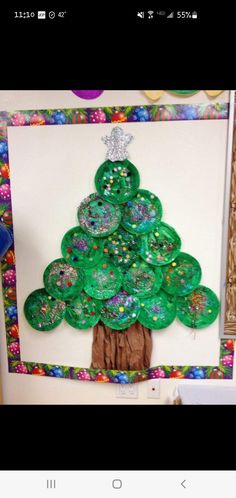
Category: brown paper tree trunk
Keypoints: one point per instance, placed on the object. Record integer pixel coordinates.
(128, 349)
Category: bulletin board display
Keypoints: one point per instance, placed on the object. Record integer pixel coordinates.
(229, 318)
(48, 164)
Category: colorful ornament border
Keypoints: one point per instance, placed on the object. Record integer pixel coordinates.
(94, 116)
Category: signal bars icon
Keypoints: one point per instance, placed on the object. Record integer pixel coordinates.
(160, 13)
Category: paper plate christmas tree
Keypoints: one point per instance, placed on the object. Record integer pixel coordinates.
(121, 265)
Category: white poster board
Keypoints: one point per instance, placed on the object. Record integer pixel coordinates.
(52, 171)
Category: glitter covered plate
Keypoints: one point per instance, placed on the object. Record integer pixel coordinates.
(122, 248)
(120, 311)
(157, 312)
(83, 312)
(142, 213)
(198, 309)
(182, 276)
(97, 217)
(161, 246)
(103, 281)
(63, 281)
(43, 311)
(142, 280)
(79, 249)
(117, 181)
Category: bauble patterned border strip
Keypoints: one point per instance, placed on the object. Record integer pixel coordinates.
(130, 114)
(82, 116)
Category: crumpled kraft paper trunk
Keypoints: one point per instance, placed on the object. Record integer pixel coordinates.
(128, 349)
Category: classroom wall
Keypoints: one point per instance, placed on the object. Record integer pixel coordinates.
(182, 349)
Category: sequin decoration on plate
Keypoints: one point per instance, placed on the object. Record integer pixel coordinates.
(81, 250)
(122, 248)
(43, 311)
(157, 312)
(97, 217)
(182, 276)
(83, 312)
(120, 311)
(117, 181)
(63, 281)
(142, 213)
(161, 246)
(198, 309)
(142, 280)
(103, 281)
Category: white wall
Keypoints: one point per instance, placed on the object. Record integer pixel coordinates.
(182, 162)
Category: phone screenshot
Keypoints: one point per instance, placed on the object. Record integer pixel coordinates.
(117, 252)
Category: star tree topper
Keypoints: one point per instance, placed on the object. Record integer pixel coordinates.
(117, 143)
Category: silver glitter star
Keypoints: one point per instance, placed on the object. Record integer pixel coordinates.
(117, 143)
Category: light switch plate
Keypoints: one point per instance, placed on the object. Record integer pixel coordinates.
(127, 391)
(153, 388)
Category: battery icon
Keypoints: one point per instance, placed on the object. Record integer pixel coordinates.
(194, 15)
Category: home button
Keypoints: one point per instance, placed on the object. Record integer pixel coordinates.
(116, 483)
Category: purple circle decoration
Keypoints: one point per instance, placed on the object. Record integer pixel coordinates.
(88, 94)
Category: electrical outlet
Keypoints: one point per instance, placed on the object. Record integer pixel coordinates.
(127, 391)
(153, 388)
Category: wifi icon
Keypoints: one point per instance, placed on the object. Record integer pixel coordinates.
(150, 14)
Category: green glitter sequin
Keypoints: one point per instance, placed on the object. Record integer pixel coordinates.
(198, 309)
(42, 311)
(97, 217)
(83, 312)
(63, 281)
(161, 246)
(80, 250)
(142, 280)
(117, 181)
(157, 312)
(141, 214)
(122, 248)
(120, 311)
(104, 281)
(182, 276)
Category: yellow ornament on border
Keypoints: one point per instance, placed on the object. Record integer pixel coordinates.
(156, 94)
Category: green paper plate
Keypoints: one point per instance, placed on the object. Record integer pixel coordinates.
(120, 311)
(117, 181)
(182, 276)
(83, 312)
(142, 280)
(97, 217)
(42, 311)
(103, 281)
(81, 250)
(198, 309)
(161, 246)
(122, 248)
(157, 312)
(183, 93)
(63, 281)
(141, 214)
